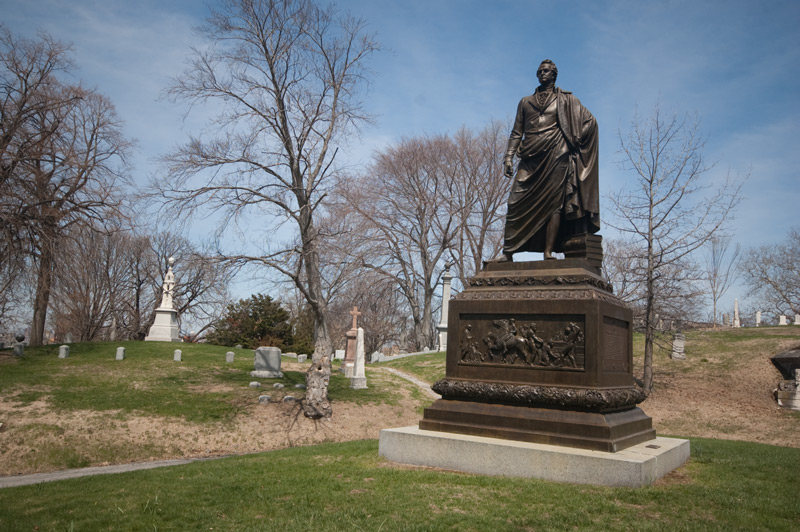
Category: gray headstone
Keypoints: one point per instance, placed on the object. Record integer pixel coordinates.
(255, 384)
(277, 386)
(267, 363)
(63, 351)
(300, 386)
(264, 399)
(678, 346)
(120, 353)
(229, 356)
(238, 346)
(302, 358)
(289, 399)
(176, 356)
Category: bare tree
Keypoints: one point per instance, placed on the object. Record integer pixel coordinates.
(678, 292)
(481, 193)
(407, 224)
(670, 210)
(721, 269)
(28, 70)
(287, 75)
(63, 154)
(773, 276)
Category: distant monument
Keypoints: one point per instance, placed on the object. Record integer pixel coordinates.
(349, 362)
(542, 352)
(165, 326)
(442, 327)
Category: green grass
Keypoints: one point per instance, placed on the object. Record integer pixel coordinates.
(202, 388)
(716, 353)
(726, 486)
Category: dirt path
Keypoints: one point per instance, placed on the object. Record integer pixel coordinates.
(422, 385)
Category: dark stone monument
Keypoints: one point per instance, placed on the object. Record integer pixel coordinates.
(542, 351)
(787, 394)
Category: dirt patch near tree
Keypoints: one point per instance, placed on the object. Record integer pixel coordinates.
(34, 436)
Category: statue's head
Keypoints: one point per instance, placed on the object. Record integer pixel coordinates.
(548, 69)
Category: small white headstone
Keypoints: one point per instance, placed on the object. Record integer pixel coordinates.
(302, 358)
(758, 319)
(229, 356)
(678, 346)
(176, 356)
(120, 353)
(63, 351)
(797, 319)
(339, 354)
(736, 322)
(359, 381)
(782, 320)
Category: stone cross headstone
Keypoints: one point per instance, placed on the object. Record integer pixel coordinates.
(120, 353)
(359, 379)
(736, 322)
(782, 320)
(176, 356)
(758, 319)
(678, 346)
(442, 327)
(350, 352)
(229, 356)
(63, 351)
(267, 363)
(19, 347)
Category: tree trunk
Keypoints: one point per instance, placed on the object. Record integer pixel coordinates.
(316, 404)
(44, 282)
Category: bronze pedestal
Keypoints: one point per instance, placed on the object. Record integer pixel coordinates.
(541, 352)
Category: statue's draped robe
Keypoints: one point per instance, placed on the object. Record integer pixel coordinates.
(558, 169)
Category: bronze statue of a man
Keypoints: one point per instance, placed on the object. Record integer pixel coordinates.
(555, 194)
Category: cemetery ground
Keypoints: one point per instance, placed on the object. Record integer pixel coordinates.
(90, 409)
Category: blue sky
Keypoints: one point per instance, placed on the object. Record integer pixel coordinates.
(447, 63)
